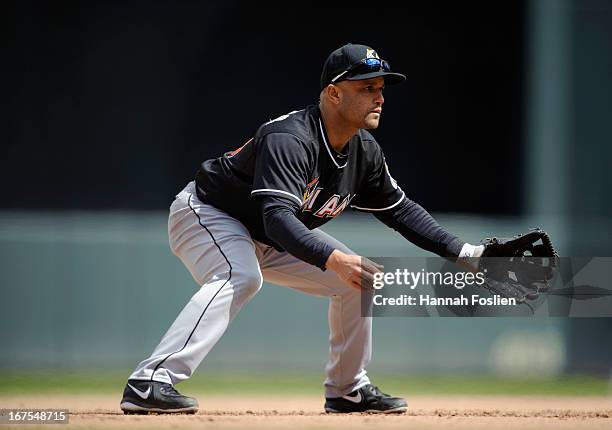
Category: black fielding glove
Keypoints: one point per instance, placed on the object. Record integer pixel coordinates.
(520, 267)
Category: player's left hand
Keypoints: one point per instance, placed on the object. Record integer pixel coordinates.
(520, 267)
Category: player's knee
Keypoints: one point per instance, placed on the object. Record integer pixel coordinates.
(250, 283)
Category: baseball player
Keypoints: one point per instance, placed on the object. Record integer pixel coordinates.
(252, 215)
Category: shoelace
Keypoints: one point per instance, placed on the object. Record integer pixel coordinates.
(169, 389)
(374, 390)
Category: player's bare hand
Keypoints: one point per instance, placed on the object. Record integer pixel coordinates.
(356, 271)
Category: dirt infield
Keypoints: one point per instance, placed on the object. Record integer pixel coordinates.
(299, 412)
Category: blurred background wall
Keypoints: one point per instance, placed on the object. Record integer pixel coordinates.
(110, 106)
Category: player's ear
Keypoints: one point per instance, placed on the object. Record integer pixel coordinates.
(333, 93)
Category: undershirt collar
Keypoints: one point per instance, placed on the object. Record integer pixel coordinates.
(339, 159)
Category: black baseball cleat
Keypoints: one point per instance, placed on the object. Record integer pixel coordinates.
(142, 397)
(368, 399)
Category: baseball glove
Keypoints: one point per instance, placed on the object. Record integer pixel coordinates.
(520, 267)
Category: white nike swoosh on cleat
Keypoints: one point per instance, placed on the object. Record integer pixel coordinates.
(142, 394)
(354, 399)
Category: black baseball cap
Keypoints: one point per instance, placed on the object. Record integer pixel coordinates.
(353, 62)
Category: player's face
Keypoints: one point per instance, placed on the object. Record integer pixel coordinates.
(361, 102)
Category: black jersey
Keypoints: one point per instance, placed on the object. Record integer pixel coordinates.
(290, 157)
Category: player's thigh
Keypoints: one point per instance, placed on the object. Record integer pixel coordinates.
(212, 244)
(284, 269)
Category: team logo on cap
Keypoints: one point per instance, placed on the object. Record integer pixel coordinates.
(370, 53)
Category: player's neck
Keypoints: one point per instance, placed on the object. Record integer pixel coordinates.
(338, 132)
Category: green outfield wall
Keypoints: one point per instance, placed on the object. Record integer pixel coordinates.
(98, 289)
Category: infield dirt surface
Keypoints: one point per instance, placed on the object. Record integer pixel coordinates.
(305, 412)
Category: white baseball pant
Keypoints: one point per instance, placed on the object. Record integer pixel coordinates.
(230, 267)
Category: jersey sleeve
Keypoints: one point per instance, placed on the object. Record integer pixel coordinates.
(291, 235)
(380, 191)
(281, 167)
